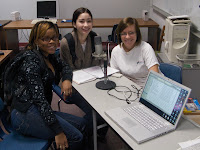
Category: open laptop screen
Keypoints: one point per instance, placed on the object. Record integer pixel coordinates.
(163, 96)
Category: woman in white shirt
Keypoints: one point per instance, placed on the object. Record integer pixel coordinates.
(132, 56)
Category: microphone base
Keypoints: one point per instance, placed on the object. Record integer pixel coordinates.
(105, 86)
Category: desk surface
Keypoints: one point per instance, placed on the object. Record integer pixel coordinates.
(7, 53)
(4, 22)
(101, 102)
(97, 23)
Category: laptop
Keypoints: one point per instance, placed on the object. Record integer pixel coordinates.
(157, 112)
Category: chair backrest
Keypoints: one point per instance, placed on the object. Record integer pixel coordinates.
(172, 71)
(162, 34)
(57, 52)
(113, 36)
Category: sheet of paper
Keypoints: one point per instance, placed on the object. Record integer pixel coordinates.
(90, 74)
(111, 71)
(81, 76)
(97, 71)
(190, 145)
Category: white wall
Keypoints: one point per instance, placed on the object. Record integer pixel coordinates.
(99, 9)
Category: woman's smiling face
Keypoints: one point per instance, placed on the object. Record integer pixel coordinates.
(83, 24)
(128, 37)
(49, 42)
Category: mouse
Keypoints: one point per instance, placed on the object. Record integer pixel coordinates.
(64, 20)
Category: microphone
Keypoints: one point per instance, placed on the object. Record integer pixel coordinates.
(98, 45)
(99, 54)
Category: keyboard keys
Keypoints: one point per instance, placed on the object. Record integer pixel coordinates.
(148, 121)
(37, 20)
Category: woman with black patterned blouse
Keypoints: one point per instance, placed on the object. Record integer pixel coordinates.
(32, 114)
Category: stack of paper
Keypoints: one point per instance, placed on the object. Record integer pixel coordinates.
(81, 76)
(190, 145)
(90, 74)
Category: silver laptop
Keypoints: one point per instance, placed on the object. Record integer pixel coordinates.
(157, 112)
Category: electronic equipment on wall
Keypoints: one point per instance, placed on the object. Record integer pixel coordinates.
(177, 31)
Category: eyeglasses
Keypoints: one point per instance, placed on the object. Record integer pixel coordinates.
(48, 39)
(129, 33)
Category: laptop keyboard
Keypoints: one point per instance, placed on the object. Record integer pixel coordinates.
(144, 118)
(37, 20)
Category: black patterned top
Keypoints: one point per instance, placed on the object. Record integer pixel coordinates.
(38, 79)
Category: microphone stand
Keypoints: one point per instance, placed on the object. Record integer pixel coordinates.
(105, 84)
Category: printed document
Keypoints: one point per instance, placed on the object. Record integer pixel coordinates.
(190, 145)
(98, 72)
(90, 74)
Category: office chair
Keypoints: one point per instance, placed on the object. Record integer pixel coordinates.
(172, 71)
(11, 140)
(57, 90)
(162, 34)
(113, 36)
(57, 52)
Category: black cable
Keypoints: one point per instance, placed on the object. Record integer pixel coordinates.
(25, 35)
(138, 90)
(127, 90)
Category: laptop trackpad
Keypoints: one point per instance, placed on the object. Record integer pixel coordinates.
(128, 122)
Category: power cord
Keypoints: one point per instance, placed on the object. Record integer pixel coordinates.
(127, 93)
(126, 90)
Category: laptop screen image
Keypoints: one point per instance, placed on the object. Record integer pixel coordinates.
(165, 97)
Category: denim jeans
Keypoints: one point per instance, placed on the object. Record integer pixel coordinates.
(32, 124)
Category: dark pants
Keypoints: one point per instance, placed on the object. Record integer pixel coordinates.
(32, 124)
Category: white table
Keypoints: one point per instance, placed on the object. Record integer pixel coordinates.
(101, 102)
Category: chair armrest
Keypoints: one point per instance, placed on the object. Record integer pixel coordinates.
(109, 38)
(57, 90)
